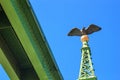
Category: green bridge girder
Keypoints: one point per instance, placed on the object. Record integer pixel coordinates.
(25, 53)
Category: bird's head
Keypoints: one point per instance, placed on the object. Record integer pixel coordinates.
(83, 28)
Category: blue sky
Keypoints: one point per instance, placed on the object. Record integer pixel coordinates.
(57, 18)
(3, 74)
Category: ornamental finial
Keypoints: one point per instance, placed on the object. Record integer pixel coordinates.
(84, 31)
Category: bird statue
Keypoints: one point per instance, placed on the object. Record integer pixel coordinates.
(85, 31)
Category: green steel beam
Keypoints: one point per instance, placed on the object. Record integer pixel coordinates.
(16, 56)
(27, 30)
(5, 62)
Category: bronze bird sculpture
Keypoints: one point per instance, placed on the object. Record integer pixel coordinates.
(85, 31)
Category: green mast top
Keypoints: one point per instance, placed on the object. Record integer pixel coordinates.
(86, 68)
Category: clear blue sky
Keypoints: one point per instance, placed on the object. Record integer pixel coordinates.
(57, 18)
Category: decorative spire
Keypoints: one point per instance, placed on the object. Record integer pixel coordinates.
(86, 68)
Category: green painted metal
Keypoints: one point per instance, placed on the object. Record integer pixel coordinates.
(86, 69)
(5, 62)
(28, 48)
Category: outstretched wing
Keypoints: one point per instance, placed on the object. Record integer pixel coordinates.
(92, 28)
(75, 32)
